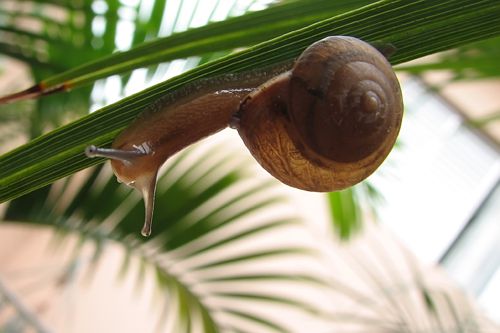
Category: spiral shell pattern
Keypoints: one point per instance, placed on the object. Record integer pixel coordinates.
(345, 101)
(329, 122)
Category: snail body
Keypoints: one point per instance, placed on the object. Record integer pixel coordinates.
(324, 125)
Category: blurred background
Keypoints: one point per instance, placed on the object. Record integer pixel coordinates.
(412, 249)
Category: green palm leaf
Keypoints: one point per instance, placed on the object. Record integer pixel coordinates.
(218, 36)
(473, 61)
(405, 25)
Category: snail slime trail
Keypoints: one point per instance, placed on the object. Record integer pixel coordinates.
(323, 124)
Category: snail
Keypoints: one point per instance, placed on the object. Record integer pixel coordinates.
(322, 123)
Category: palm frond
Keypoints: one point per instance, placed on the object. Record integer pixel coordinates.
(23, 318)
(469, 62)
(218, 36)
(396, 293)
(60, 153)
(346, 212)
(206, 238)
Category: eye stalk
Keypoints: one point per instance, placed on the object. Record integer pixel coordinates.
(126, 156)
(145, 182)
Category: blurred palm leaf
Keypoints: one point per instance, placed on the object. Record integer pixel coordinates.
(482, 121)
(51, 39)
(474, 61)
(205, 234)
(22, 319)
(394, 292)
(346, 211)
(375, 285)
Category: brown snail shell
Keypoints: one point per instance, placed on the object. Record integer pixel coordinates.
(329, 122)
